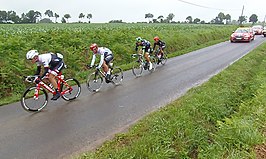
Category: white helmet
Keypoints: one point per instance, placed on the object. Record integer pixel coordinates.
(30, 54)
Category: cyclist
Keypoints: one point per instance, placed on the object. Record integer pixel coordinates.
(161, 45)
(146, 46)
(106, 57)
(52, 67)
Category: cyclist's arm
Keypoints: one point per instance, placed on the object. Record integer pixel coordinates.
(154, 45)
(46, 70)
(101, 61)
(38, 71)
(93, 59)
(136, 48)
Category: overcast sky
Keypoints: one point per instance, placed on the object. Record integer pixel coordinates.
(134, 10)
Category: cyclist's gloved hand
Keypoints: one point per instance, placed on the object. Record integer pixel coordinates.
(37, 79)
(98, 67)
(89, 66)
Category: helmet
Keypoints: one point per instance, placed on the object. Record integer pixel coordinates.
(94, 45)
(138, 39)
(156, 38)
(30, 54)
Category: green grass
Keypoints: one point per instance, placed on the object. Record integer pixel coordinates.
(223, 118)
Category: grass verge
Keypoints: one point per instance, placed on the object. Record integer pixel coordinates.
(223, 118)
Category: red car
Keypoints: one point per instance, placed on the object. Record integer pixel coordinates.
(258, 29)
(242, 34)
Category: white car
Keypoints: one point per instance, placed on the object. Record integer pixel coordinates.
(258, 29)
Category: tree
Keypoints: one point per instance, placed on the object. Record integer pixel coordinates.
(56, 16)
(189, 19)
(12, 16)
(116, 21)
(170, 17)
(220, 18)
(49, 13)
(149, 15)
(253, 18)
(228, 18)
(30, 17)
(63, 20)
(67, 16)
(81, 16)
(3, 16)
(155, 21)
(196, 20)
(242, 19)
(89, 16)
(160, 18)
(46, 20)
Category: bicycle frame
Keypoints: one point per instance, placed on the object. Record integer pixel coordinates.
(60, 81)
(97, 71)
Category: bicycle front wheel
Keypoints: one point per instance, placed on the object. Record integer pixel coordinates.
(71, 89)
(137, 68)
(94, 82)
(32, 103)
(117, 75)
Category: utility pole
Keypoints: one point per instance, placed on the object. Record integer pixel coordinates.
(241, 17)
(264, 21)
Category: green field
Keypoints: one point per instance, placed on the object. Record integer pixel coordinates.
(72, 40)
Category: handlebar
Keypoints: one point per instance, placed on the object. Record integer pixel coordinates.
(30, 79)
(139, 55)
(90, 67)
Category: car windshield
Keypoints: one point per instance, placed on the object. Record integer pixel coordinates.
(241, 31)
(257, 27)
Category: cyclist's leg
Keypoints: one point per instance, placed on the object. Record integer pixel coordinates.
(53, 72)
(106, 68)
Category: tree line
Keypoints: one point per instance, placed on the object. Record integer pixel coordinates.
(35, 16)
(221, 18)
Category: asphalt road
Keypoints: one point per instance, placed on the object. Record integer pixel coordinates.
(64, 129)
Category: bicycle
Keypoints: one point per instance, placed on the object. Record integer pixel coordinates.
(95, 79)
(160, 59)
(140, 64)
(35, 98)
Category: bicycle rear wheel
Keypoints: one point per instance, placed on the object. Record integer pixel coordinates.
(154, 62)
(164, 58)
(94, 82)
(137, 68)
(72, 89)
(30, 103)
(117, 75)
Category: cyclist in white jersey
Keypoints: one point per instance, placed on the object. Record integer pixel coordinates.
(52, 66)
(106, 57)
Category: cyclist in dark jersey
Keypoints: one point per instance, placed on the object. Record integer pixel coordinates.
(161, 45)
(52, 64)
(146, 47)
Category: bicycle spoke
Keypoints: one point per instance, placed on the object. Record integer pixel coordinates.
(94, 82)
(117, 75)
(137, 68)
(71, 90)
(31, 103)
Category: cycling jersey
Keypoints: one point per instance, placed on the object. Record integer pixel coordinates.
(49, 61)
(145, 45)
(160, 43)
(106, 55)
